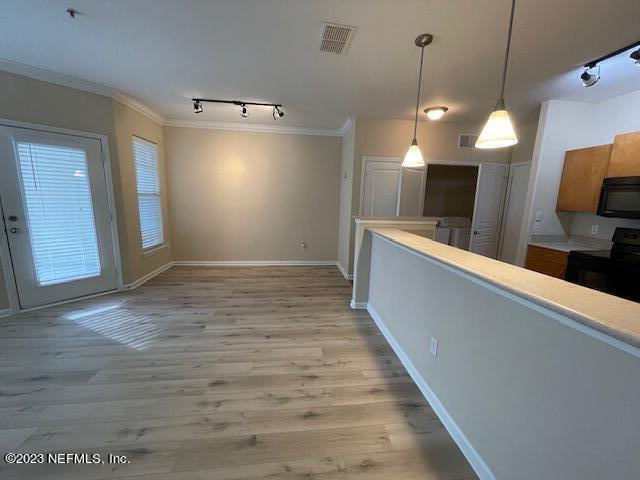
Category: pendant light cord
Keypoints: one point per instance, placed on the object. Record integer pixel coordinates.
(415, 123)
(506, 54)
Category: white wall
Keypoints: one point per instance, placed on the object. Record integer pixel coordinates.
(535, 398)
(243, 196)
(564, 126)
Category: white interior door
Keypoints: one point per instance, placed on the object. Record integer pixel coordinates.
(56, 212)
(411, 194)
(487, 210)
(381, 188)
(516, 195)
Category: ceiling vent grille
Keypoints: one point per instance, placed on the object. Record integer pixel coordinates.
(467, 140)
(336, 38)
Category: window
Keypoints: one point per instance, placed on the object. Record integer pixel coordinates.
(59, 209)
(148, 183)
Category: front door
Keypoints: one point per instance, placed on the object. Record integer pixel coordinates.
(56, 214)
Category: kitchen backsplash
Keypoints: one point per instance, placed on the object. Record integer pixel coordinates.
(583, 222)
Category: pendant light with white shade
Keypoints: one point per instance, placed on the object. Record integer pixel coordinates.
(498, 132)
(413, 157)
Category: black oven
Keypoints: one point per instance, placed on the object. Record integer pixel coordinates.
(620, 197)
(614, 271)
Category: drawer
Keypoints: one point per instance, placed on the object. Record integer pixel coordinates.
(547, 267)
(546, 260)
(547, 254)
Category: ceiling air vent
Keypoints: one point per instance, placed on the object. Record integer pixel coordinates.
(336, 38)
(467, 140)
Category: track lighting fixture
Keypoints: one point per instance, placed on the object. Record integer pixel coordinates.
(244, 112)
(435, 113)
(413, 157)
(590, 79)
(277, 113)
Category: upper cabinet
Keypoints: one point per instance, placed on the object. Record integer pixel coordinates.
(582, 175)
(625, 156)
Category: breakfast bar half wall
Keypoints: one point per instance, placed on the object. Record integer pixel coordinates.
(533, 377)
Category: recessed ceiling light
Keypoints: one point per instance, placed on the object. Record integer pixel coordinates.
(435, 113)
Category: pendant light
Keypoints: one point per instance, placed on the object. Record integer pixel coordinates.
(413, 158)
(498, 131)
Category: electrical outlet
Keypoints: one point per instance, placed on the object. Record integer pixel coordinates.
(303, 246)
(434, 347)
(539, 215)
(594, 229)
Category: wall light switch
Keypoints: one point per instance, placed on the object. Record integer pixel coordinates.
(536, 226)
(594, 229)
(434, 347)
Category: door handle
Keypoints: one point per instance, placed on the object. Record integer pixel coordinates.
(14, 230)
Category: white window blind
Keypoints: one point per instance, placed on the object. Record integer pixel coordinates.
(55, 184)
(148, 184)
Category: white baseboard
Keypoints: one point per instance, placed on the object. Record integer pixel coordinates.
(344, 272)
(5, 312)
(358, 305)
(477, 463)
(254, 263)
(148, 276)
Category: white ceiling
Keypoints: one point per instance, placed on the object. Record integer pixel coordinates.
(164, 52)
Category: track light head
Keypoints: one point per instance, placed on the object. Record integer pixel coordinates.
(590, 79)
(244, 113)
(277, 113)
(635, 56)
(197, 106)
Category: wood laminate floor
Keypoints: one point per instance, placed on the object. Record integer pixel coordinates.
(217, 373)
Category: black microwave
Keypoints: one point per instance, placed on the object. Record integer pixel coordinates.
(620, 197)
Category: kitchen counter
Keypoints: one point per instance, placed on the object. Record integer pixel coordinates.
(565, 244)
(615, 317)
(485, 341)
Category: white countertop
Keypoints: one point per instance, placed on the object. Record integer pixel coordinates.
(565, 244)
(613, 316)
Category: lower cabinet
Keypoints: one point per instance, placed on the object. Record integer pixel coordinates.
(546, 260)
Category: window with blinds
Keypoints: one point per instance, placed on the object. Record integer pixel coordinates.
(148, 185)
(59, 208)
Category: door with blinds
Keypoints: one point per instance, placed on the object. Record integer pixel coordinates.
(56, 213)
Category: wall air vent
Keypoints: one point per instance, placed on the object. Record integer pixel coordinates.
(336, 38)
(467, 140)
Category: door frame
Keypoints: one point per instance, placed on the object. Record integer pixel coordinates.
(454, 163)
(5, 255)
(507, 201)
(363, 168)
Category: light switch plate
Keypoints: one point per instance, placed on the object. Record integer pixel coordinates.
(434, 347)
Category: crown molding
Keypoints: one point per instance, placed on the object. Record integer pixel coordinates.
(252, 127)
(139, 107)
(135, 104)
(44, 75)
(346, 126)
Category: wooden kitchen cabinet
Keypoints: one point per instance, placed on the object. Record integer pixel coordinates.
(625, 156)
(582, 175)
(546, 260)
